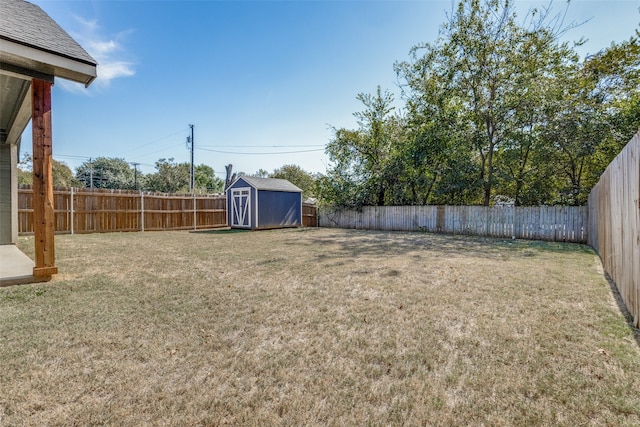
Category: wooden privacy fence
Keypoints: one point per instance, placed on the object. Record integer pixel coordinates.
(552, 223)
(100, 210)
(614, 224)
(103, 211)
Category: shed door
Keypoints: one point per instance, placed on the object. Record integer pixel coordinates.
(240, 207)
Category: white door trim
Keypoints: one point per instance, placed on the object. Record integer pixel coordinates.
(241, 207)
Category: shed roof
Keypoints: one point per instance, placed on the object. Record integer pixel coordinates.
(31, 40)
(271, 184)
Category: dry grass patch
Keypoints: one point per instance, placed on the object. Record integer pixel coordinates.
(316, 327)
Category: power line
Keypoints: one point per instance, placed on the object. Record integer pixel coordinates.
(154, 141)
(157, 151)
(263, 146)
(259, 154)
(65, 156)
(68, 156)
(111, 157)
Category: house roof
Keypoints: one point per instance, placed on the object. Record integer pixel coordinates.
(32, 45)
(271, 184)
(31, 40)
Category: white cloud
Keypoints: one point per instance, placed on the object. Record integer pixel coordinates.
(91, 26)
(102, 48)
(108, 50)
(114, 69)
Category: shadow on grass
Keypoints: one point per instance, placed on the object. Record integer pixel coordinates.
(623, 308)
(353, 243)
(221, 231)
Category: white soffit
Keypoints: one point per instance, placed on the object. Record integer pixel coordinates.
(47, 63)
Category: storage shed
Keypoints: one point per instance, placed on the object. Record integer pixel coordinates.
(261, 203)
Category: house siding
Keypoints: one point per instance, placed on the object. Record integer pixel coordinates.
(8, 194)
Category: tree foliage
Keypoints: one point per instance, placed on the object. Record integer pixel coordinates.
(361, 157)
(173, 177)
(107, 172)
(170, 177)
(61, 173)
(496, 107)
(206, 180)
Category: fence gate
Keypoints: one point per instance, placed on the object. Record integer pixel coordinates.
(240, 207)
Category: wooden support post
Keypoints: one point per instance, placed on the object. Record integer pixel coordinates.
(43, 210)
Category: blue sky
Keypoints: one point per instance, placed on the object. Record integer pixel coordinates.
(265, 78)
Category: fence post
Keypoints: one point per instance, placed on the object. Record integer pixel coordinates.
(72, 210)
(515, 222)
(194, 212)
(141, 211)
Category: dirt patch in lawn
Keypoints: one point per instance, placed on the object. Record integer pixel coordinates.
(316, 327)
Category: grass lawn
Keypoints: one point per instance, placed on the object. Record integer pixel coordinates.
(316, 327)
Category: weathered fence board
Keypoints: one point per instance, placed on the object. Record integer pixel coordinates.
(614, 223)
(552, 223)
(104, 211)
(309, 215)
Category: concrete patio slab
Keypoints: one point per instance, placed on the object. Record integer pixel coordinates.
(15, 267)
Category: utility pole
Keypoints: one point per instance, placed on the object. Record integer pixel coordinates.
(190, 144)
(135, 174)
(90, 174)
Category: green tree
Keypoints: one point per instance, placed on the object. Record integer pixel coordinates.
(170, 177)
(361, 157)
(614, 76)
(61, 173)
(206, 180)
(25, 176)
(437, 161)
(173, 177)
(523, 168)
(261, 173)
(594, 113)
(495, 108)
(489, 69)
(107, 172)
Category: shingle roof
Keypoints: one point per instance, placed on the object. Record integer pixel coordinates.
(271, 184)
(25, 23)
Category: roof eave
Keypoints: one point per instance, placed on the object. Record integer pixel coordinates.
(47, 63)
(241, 177)
(261, 184)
